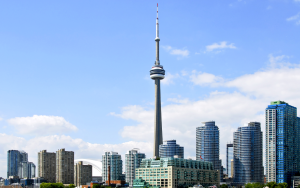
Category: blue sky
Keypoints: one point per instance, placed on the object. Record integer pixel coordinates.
(75, 74)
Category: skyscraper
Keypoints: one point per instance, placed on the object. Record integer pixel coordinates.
(157, 73)
(170, 149)
(64, 166)
(14, 162)
(47, 165)
(248, 154)
(28, 170)
(208, 144)
(133, 159)
(114, 160)
(229, 157)
(282, 142)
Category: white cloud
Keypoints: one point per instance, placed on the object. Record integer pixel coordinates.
(205, 78)
(52, 143)
(295, 18)
(41, 125)
(1, 118)
(178, 52)
(221, 45)
(169, 78)
(297, 0)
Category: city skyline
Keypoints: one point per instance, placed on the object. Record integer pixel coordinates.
(56, 90)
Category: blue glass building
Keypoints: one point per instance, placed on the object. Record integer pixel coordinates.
(208, 145)
(170, 149)
(14, 162)
(248, 154)
(282, 142)
(114, 160)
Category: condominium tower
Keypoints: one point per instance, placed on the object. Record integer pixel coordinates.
(133, 159)
(114, 160)
(14, 162)
(229, 158)
(64, 166)
(82, 174)
(28, 170)
(282, 142)
(47, 165)
(170, 149)
(248, 154)
(157, 73)
(208, 144)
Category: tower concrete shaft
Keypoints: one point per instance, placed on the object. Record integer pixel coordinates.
(157, 73)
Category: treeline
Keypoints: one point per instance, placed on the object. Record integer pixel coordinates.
(260, 185)
(56, 185)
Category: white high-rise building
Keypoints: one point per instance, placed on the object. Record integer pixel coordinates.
(28, 170)
(132, 161)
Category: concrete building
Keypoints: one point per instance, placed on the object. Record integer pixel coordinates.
(47, 165)
(248, 154)
(114, 160)
(14, 162)
(64, 166)
(177, 172)
(229, 157)
(208, 144)
(157, 73)
(282, 142)
(82, 174)
(170, 149)
(132, 161)
(28, 170)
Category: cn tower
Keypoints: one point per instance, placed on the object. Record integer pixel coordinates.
(157, 73)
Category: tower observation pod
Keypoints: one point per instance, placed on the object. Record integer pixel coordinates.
(157, 73)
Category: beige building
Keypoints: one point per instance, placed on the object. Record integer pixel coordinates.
(46, 165)
(82, 174)
(176, 172)
(64, 166)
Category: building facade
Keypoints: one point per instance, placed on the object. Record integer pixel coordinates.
(132, 161)
(170, 149)
(229, 157)
(282, 142)
(208, 144)
(114, 160)
(28, 170)
(14, 162)
(248, 154)
(82, 174)
(177, 172)
(47, 165)
(64, 166)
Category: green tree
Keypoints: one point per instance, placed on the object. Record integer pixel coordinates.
(52, 185)
(224, 186)
(249, 185)
(96, 186)
(282, 185)
(298, 186)
(271, 184)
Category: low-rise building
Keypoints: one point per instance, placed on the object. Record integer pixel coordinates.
(177, 172)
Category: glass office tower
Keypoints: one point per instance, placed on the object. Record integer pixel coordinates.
(248, 154)
(14, 162)
(114, 160)
(282, 142)
(170, 149)
(133, 158)
(229, 157)
(208, 144)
